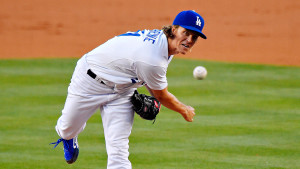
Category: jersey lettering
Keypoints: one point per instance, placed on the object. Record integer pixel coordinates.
(152, 35)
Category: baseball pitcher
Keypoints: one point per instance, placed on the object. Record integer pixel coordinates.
(107, 77)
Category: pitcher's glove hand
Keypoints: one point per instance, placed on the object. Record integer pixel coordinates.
(145, 106)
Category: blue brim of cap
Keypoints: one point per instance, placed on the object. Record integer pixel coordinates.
(194, 29)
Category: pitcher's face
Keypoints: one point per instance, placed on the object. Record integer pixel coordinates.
(183, 41)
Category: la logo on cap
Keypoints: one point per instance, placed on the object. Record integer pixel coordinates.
(198, 22)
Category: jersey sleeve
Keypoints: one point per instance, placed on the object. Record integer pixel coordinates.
(153, 76)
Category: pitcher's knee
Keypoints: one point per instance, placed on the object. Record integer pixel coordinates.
(66, 133)
(118, 148)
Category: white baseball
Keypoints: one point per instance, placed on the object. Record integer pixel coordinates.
(199, 72)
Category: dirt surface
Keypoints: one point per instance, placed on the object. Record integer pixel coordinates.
(255, 31)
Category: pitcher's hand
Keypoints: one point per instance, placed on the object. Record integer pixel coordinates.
(189, 114)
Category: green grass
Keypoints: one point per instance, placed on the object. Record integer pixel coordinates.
(247, 116)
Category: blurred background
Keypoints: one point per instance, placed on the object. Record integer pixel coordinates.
(251, 31)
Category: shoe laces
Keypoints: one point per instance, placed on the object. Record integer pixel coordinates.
(58, 141)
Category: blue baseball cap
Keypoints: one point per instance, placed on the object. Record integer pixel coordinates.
(190, 20)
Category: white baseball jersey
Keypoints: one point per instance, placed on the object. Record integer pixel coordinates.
(132, 59)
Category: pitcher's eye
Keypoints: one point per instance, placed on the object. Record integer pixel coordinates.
(195, 37)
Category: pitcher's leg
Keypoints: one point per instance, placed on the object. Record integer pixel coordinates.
(74, 116)
(117, 119)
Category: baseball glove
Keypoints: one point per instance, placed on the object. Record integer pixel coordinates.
(145, 106)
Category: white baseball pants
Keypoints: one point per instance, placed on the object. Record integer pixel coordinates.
(85, 96)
